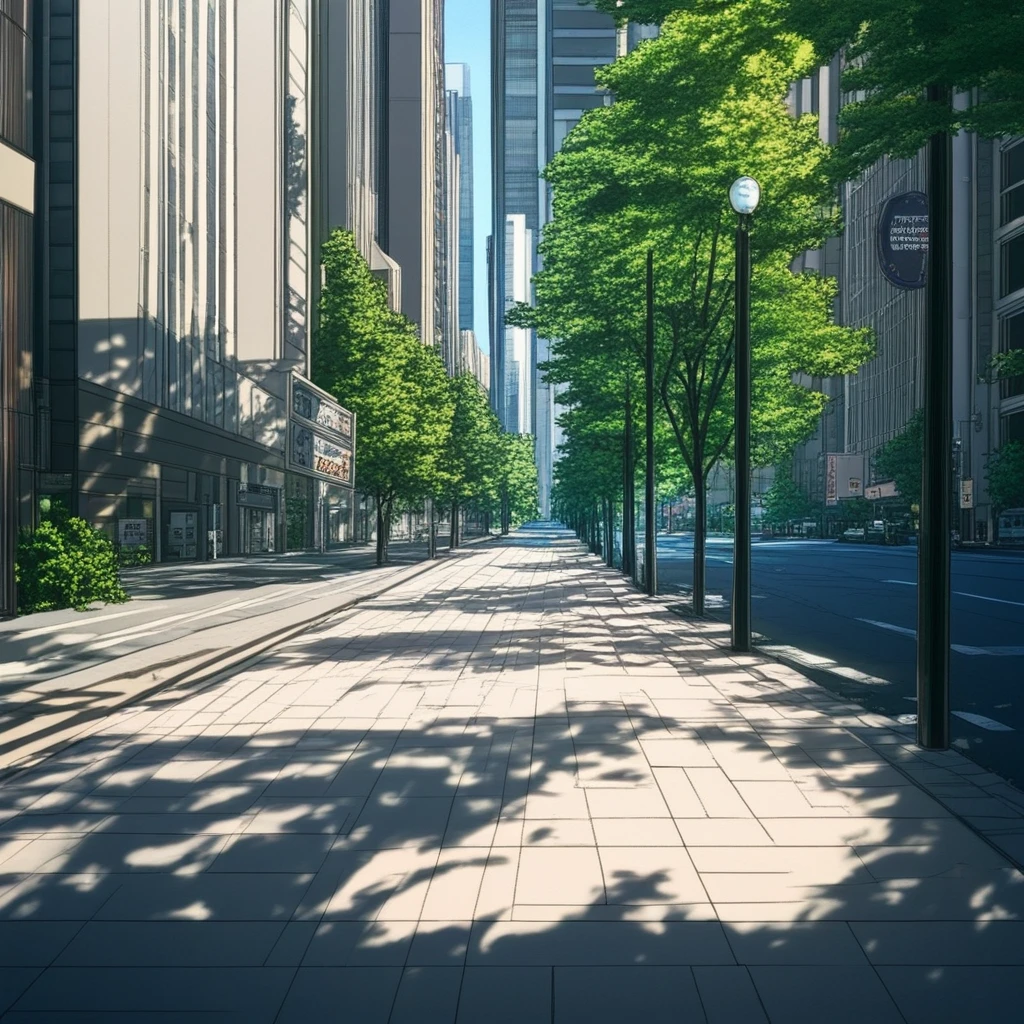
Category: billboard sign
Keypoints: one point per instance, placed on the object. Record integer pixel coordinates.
(321, 434)
(844, 477)
(903, 239)
(967, 494)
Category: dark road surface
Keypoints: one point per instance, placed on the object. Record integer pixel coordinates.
(847, 612)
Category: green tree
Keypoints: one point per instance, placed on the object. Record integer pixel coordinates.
(785, 502)
(517, 481)
(372, 361)
(471, 466)
(894, 50)
(900, 459)
(1005, 473)
(651, 172)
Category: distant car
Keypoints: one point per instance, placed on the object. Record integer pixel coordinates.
(1011, 526)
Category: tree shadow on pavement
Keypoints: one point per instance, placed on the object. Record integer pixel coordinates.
(722, 842)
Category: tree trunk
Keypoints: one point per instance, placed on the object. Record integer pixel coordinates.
(453, 533)
(699, 540)
(383, 527)
(628, 486)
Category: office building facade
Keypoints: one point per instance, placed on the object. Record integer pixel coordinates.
(174, 273)
(544, 57)
(460, 123)
(18, 358)
(872, 406)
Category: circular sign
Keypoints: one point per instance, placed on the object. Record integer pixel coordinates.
(903, 239)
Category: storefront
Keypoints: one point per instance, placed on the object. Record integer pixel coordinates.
(321, 446)
(257, 509)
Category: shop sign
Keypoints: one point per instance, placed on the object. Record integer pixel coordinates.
(316, 455)
(255, 499)
(903, 239)
(132, 533)
(967, 494)
(54, 481)
(319, 409)
(844, 477)
(876, 492)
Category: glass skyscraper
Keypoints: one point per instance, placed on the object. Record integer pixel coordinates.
(544, 54)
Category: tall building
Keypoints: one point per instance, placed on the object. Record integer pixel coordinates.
(517, 394)
(544, 55)
(460, 122)
(175, 276)
(350, 138)
(18, 359)
(870, 407)
(412, 187)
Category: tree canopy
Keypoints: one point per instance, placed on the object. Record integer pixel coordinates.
(893, 51)
(1005, 472)
(652, 172)
(372, 361)
(900, 459)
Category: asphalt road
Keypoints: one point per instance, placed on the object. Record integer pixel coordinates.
(847, 614)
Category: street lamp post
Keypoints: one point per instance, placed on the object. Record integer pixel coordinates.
(650, 513)
(744, 195)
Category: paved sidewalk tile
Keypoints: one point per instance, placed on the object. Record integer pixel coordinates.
(511, 791)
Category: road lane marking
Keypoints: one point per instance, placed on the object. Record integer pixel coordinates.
(890, 626)
(997, 600)
(1008, 651)
(982, 721)
(963, 593)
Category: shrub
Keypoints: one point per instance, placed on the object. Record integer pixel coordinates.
(129, 557)
(66, 563)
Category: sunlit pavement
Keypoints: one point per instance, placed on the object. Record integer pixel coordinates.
(847, 614)
(509, 791)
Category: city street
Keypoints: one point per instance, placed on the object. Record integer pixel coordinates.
(847, 613)
(511, 790)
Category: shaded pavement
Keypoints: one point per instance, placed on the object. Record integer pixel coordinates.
(511, 790)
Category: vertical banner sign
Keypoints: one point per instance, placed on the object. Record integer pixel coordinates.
(831, 491)
(903, 239)
(967, 494)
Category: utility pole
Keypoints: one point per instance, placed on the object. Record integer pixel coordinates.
(933, 568)
(650, 517)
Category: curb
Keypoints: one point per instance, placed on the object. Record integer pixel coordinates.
(59, 729)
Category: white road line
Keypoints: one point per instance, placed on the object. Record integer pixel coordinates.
(997, 600)
(982, 721)
(890, 626)
(963, 593)
(991, 652)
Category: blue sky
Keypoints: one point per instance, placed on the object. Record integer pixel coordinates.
(468, 41)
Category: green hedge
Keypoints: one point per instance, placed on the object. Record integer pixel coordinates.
(66, 563)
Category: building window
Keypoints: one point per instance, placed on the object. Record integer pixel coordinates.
(1013, 183)
(1012, 428)
(1012, 340)
(1012, 257)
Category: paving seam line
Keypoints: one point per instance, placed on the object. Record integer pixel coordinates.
(796, 666)
(195, 677)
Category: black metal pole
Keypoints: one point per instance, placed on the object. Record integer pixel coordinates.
(650, 509)
(628, 536)
(741, 539)
(933, 568)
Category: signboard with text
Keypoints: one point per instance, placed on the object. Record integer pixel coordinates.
(321, 434)
(903, 239)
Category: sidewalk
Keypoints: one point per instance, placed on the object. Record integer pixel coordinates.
(509, 791)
